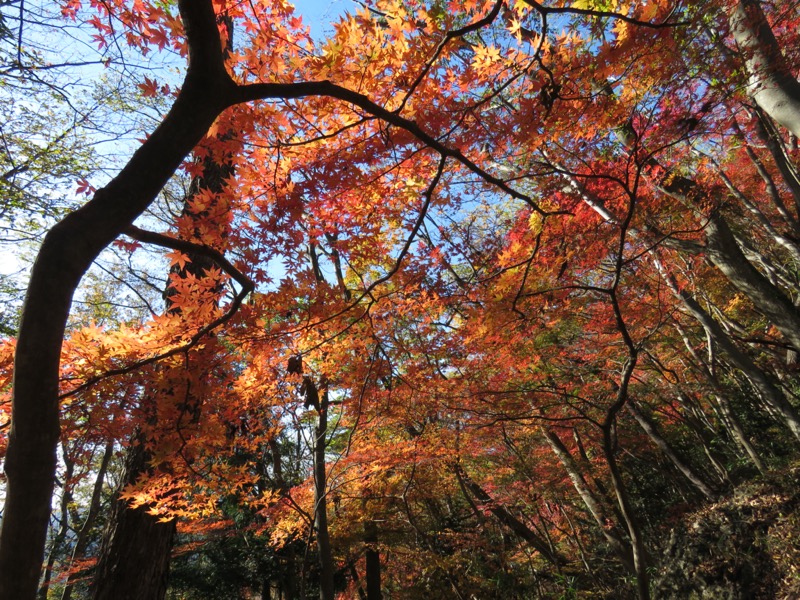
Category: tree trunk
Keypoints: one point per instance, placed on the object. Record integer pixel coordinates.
(611, 534)
(640, 561)
(94, 509)
(769, 392)
(58, 541)
(771, 84)
(65, 255)
(634, 531)
(212, 179)
(326, 571)
(651, 430)
(506, 518)
(134, 558)
(373, 561)
(768, 133)
(727, 415)
(725, 253)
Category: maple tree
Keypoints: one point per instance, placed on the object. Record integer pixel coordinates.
(524, 275)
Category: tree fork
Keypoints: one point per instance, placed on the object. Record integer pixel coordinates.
(66, 254)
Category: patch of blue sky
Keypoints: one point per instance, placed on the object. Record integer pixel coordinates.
(320, 15)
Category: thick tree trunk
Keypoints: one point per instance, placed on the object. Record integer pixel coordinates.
(373, 561)
(65, 255)
(134, 558)
(771, 85)
(159, 546)
(725, 253)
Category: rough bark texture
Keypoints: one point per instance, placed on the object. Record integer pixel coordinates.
(137, 568)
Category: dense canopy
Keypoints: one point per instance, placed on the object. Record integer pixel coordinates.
(466, 299)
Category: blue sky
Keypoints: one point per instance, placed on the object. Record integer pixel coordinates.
(318, 14)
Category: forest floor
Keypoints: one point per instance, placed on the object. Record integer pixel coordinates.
(744, 547)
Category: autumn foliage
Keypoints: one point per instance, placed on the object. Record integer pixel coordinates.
(538, 263)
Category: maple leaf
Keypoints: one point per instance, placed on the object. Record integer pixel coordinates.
(149, 88)
(177, 259)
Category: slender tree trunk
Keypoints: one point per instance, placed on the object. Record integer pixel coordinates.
(650, 428)
(58, 540)
(738, 434)
(506, 518)
(706, 439)
(362, 595)
(94, 509)
(609, 426)
(326, 571)
(770, 393)
(728, 417)
(595, 507)
(631, 522)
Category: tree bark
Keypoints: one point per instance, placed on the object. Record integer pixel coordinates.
(213, 178)
(94, 509)
(134, 558)
(326, 570)
(506, 518)
(771, 84)
(373, 561)
(770, 393)
(725, 253)
(67, 252)
(652, 432)
(727, 415)
(632, 524)
(590, 500)
(58, 540)
(722, 248)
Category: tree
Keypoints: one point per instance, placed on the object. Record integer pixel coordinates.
(512, 310)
